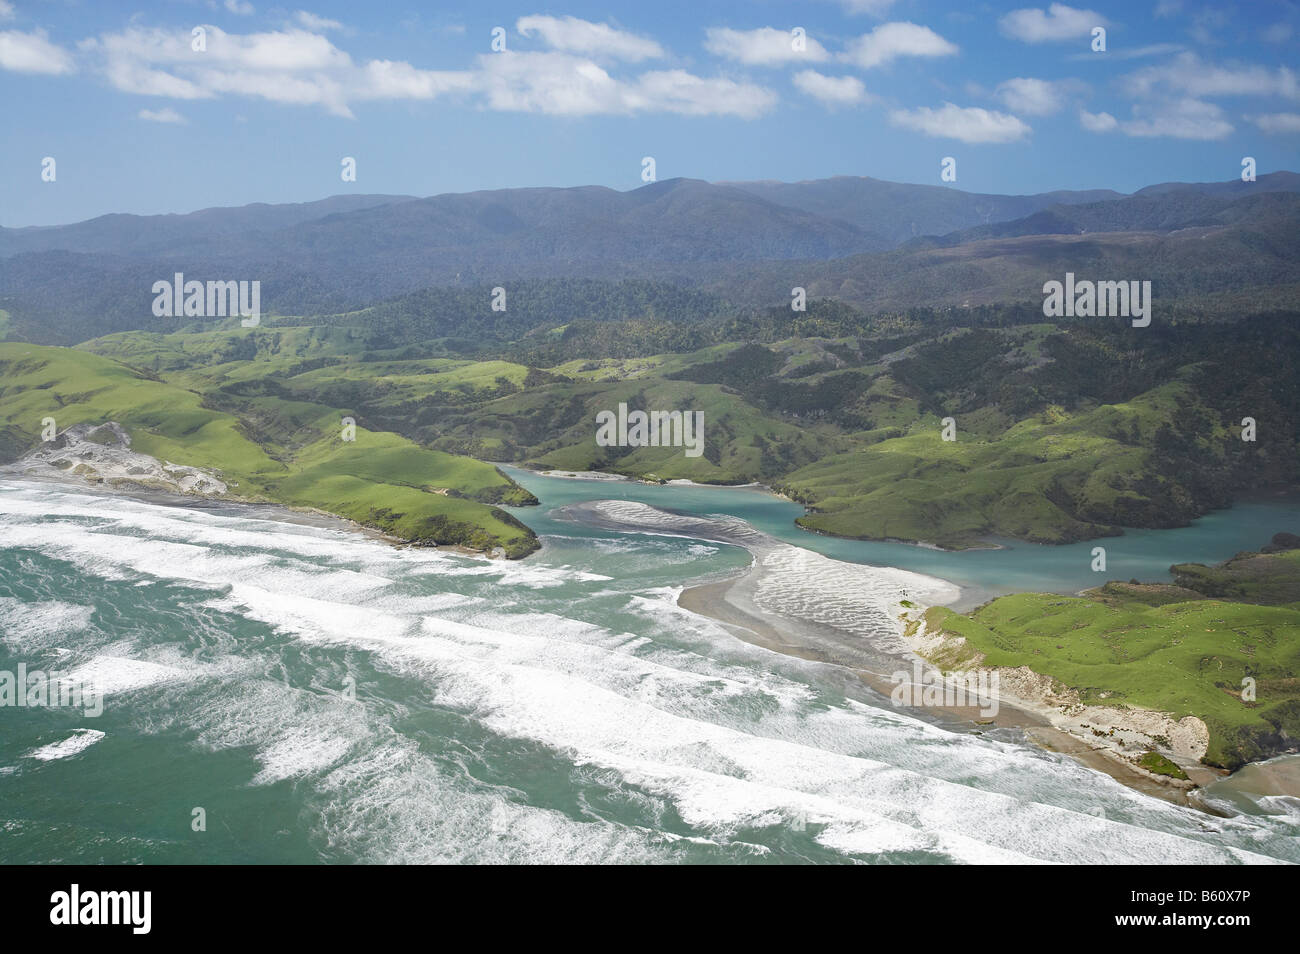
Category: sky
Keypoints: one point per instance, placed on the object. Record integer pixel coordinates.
(156, 107)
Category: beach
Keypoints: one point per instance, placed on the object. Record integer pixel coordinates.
(806, 605)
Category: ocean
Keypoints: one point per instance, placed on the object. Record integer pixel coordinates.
(289, 693)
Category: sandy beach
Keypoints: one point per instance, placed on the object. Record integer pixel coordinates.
(803, 604)
(717, 601)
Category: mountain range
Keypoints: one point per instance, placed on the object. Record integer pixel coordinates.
(879, 245)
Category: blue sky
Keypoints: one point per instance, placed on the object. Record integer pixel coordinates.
(139, 121)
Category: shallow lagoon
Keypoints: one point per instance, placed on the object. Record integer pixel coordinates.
(1015, 567)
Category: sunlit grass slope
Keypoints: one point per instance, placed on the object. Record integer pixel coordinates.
(290, 452)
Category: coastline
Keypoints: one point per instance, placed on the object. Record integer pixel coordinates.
(1109, 739)
(734, 602)
(1112, 734)
(600, 476)
(876, 655)
(263, 510)
(722, 602)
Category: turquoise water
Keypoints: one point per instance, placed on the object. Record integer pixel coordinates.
(1017, 567)
(324, 697)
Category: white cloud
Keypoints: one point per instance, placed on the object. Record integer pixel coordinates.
(766, 46)
(1033, 97)
(565, 85)
(1208, 26)
(967, 124)
(290, 66)
(1277, 122)
(572, 35)
(33, 53)
(165, 115)
(6, 10)
(677, 91)
(1178, 119)
(295, 67)
(239, 7)
(133, 78)
(314, 23)
(831, 90)
(554, 83)
(389, 79)
(1132, 52)
(1097, 122)
(889, 41)
(1057, 23)
(1189, 75)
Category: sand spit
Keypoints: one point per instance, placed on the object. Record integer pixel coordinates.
(868, 618)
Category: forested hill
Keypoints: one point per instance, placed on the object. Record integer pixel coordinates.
(747, 244)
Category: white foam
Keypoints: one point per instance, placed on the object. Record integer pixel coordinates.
(198, 547)
(298, 752)
(104, 675)
(74, 744)
(590, 704)
(796, 583)
(35, 624)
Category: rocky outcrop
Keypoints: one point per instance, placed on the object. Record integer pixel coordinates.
(101, 454)
(1120, 731)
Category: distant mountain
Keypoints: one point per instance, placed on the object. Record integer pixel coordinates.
(677, 220)
(1248, 248)
(147, 235)
(1154, 212)
(901, 211)
(747, 243)
(1271, 182)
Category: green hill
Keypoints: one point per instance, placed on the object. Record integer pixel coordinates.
(1064, 431)
(289, 453)
(1166, 648)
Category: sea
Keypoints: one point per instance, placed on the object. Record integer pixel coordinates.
(281, 691)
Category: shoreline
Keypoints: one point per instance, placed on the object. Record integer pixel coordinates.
(738, 604)
(252, 509)
(730, 602)
(711, 600)
(987, 544)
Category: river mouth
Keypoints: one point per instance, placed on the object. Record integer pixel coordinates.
(1011, 566)
(849, 629)
(715, 513)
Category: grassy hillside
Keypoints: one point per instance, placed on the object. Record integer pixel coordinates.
(1158, 648)
(287, 453)
(1269, 578)
(1040, 479)
(1063, 431)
